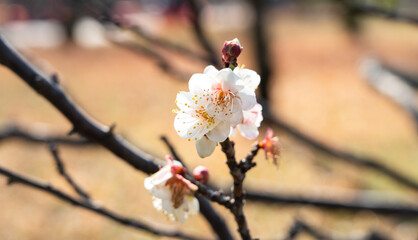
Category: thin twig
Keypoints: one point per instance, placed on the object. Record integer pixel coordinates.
(14, 131)
(90, 128)
(172, 149)
(47, 188)
(161, 62)
(61, 169)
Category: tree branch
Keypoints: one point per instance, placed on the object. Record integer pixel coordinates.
(362, 203)
(47, 188)
(300, 226)
(238, 201)
(62, 171)
(14, 131)
(341, 155)
(195, 18)
(392, 15)
(90, 128)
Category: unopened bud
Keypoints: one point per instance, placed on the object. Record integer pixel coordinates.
(231, 50)
(201, 174)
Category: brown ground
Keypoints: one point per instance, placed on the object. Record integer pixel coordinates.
(318, 89)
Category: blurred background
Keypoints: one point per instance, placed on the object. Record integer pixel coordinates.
(343, 73)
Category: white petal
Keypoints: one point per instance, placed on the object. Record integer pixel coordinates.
(237, 114)
(200, 83)
(157, 203)
(193, 204)
(247, 98)
(220, 132)
(248, 131)
(233, 132)
(229, 80)
(249, 77)
(205, 147)
(211, 71)
(191, 127)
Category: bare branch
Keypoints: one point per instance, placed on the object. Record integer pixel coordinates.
(300, 226)
(195, 19)
(389, 14)
(47, 188)
(341, 155)
(14, 131)
(90, 128)
(361, 203)
(61, 169)
(158, 58)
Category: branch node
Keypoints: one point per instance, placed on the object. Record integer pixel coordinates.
(54, 78)
(111, 129)
(72, 131)
(10, 181)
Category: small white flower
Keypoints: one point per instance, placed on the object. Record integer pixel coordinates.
(250, 123)
(172, 193)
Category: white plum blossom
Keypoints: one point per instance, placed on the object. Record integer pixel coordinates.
(172, 193)
(216, 102)
(250, 123)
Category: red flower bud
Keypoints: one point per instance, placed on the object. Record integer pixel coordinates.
(231, 50)
(201, 174)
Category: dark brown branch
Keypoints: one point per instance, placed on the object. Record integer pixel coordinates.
(90, 128)
(300, 226)
(238, 201)
(101, 11)
(361, 203)
(61, 169)
(13, 131)
(261, 46)
(341, 155)
(389, 14)
(47, 188)
(172, 149)
(169, 45)
(195, 18)
(158, 58)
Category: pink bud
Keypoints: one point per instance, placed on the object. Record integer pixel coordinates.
(201, 174)
(231, 50)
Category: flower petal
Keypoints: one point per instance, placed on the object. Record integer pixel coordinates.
(211, 71)
(200, 83)
(248, 99)
(205, 147)
(248, 131)
(249, 77)
(229, 80)
(191, 127)
(220, 132)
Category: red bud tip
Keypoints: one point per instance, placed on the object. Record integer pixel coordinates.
(201, 174)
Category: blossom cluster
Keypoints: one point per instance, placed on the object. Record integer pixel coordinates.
(218, 101)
